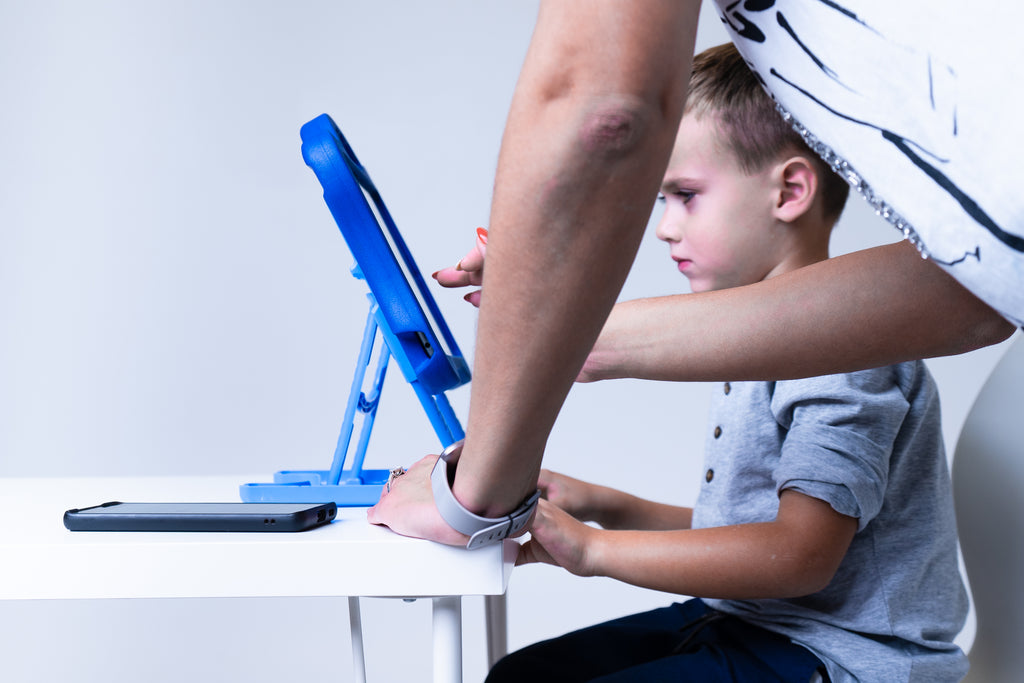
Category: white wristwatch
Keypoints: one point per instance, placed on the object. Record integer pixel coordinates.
(481, 530)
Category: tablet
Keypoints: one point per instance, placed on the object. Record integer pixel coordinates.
(416, 332)
(116, 516)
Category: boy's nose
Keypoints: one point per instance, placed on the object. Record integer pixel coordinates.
(667, 230)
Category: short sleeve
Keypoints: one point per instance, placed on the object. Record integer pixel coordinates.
(840, 431)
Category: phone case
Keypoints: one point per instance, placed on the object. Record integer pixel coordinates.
(274, 517)
(425, 347)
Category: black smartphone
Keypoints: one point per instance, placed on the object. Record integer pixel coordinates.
(117, 516)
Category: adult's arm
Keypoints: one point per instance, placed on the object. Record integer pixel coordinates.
(591, 126)
(866, 309)
(590, 129)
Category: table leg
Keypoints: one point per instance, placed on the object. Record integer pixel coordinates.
(356, 628)
(447, 618)
(496, 618)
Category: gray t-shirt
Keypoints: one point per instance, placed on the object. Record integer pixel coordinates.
(869, 444)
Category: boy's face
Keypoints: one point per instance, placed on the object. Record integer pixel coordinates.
(718, 221)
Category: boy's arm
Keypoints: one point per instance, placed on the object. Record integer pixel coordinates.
(611, 508)
(796, 554)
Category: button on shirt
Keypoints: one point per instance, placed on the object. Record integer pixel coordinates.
(869, 444)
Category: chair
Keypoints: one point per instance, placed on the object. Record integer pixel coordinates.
(988, 487)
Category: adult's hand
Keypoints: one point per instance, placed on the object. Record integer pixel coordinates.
(469, 271)
(408, 507)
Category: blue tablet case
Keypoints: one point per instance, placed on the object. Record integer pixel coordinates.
(401, 311)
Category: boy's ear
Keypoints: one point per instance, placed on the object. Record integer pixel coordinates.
(797, 187)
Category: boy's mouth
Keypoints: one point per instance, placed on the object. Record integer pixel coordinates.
(683, 264)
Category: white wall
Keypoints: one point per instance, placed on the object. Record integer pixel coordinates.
(175, 299)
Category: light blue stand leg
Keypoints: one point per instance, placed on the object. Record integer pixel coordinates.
(357, 401)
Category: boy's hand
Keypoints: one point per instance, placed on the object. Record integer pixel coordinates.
(469, 271)
(559, 539)
(571, 495)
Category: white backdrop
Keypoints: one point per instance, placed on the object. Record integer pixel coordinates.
(175, 298)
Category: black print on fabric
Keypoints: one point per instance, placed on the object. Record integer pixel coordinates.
(745, 20)
(745, 28)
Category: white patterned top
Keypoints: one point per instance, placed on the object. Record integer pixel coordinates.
(915, 102)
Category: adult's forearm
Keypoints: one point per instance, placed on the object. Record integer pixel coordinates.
(870, 308)
(588, 136)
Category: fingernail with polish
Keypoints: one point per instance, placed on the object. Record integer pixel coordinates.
(482, 234)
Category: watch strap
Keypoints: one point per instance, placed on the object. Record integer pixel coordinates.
(481, 530)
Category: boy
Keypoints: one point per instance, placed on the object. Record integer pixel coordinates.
(823, 541)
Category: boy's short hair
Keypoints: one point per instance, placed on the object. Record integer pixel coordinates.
(723, 85)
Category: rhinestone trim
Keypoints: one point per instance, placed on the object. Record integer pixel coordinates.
(848, 173)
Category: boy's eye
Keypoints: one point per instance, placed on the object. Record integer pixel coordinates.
(685, 195)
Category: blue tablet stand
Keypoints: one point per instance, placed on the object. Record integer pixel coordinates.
(402, 312)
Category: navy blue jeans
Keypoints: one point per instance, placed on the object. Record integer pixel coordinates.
(683, 642)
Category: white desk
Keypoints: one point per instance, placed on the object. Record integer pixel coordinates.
(43, 560)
